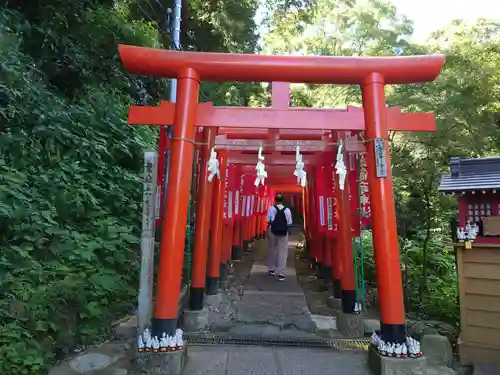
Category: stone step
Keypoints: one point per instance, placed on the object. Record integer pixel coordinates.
(106, 359)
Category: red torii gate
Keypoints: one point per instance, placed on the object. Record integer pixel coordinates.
(370, 73)
(234, 123)
(279, 104)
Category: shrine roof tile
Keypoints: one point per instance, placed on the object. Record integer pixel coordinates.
(471, 174)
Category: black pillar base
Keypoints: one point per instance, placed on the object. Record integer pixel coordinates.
(319, 271)
(196, 298)
(246, 245)
(236, 252)
(337, 289)
(212, 286)
(393, 332)
(327, 275)
(223, 270)
(348, 301)
(163, 325)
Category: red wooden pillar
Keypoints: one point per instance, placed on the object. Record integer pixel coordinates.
(304, 210)
(236, 248)
(310, 221)
(215, 250)
(265, 208)
(242, 212)
(203, 210)
(327, 259)
(173, 233)
(336, 268)
(258, 217)
(227, 232)
(385, 238)
(348, 276)
(163, 144)
(263, 217)
(243, 201)
(315, 243)
(245, 222)
(227, 238)
(253, 232)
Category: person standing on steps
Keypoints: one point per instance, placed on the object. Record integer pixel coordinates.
(279, 220)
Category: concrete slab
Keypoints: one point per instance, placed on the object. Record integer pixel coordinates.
(196, 320)
(255, 330)
(437, 350)
(324, 323)
(98, 360)
(213, 300)
(261, 281)
(257, 361)
(206, 361)
(439, 370)
(334, 303)
(305, 361)
(126, 328)
(278, 310)
(486, 368)
(170, 363)
(270, 302)
(371, 325)
(90, 362)
(380, 365)
(350, 325)
(249, 360)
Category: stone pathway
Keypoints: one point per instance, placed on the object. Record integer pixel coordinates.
(259, 308)
(271, 306)
(254, 360)
(111, 358)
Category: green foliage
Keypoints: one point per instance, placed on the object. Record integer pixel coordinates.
(70, 166)
(69, 204)
(439, 302)
(465, 98)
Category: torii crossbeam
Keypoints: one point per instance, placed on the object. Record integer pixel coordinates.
(229, 118)
(290, 123)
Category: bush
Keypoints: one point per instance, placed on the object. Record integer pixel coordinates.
(70, 196)
(438, 284)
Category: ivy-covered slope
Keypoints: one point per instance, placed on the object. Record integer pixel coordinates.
(70, 189)
(70, 167)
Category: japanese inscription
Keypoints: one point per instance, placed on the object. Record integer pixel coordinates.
(329, 207)
(149, 197)
(237, 202)
(230, 205)
(380, 157)
(322, 210)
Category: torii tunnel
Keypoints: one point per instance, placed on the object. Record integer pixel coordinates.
(233, 210)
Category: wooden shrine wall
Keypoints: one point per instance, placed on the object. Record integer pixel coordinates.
(479, 287)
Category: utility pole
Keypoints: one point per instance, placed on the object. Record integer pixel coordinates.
(176, 45)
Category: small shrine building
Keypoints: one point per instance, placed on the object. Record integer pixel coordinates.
(476, 183)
